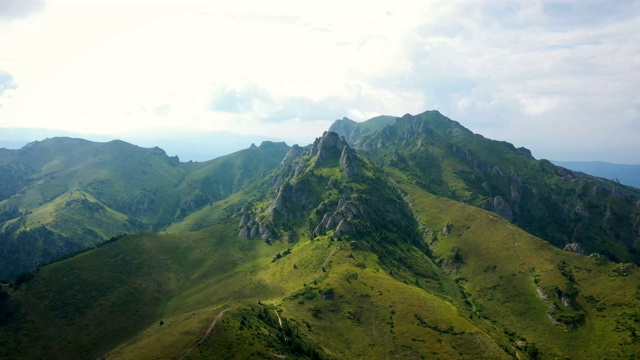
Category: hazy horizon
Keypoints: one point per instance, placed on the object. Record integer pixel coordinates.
(557, 77)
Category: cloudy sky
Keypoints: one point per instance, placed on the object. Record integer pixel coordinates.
(559, 77)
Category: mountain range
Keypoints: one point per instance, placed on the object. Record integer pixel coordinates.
(397, 237)
(189, 145)
(624, 173)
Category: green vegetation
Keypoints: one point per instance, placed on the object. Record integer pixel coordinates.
(564, 303)
(406, 252)
(64, 195)
(444, 158)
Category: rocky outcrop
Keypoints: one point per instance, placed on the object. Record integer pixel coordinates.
(340, 220)
(541, 294)
(502, 208)
(330, 145)
(253, 227)
(290, 199)
(344, 227)
(293, 154)
(575, 247)
(348, 162)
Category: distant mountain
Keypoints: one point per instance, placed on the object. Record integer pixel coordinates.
(626, 174)
(187, 145)
(63, 195)
(442, 157)
(352, 130)
(408, 237)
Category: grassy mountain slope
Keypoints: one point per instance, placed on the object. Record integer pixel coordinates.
(92, 302)
(72, 222)
(321, 252)
(218, 178)
(563, 207)
(568, 305)
(63, 195)
(364, 277)
(328, 257)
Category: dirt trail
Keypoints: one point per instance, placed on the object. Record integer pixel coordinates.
(331, 253)
(204, 336)
(326, 260)
(278, 315)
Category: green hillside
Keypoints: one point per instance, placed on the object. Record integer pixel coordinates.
(64, 195)
(418, 240)
(563, 207)
(352, 130)
(568, 305)
(327, 257)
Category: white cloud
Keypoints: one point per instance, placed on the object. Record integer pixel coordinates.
(536, 73)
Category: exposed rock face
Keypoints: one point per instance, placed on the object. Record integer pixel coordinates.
(299, 188)
(341, 219)
(251, 227)
(244, 220)
(343, 228)
(348, 162)
(328, 146)
(541, 294)
(289, 200)
(502, 208)
(575, 248)
(553, 321)
(294, 153)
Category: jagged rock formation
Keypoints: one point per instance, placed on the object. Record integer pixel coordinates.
(347, 161)
(296, 194)
(341, 220)
(575, 248)
(252, 226)
(305, 186)
(330, 145)
(290, 199)
(502, 208)
(327, 146)
(294, 153)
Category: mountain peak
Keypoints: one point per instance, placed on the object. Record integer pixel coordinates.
(329, 145)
